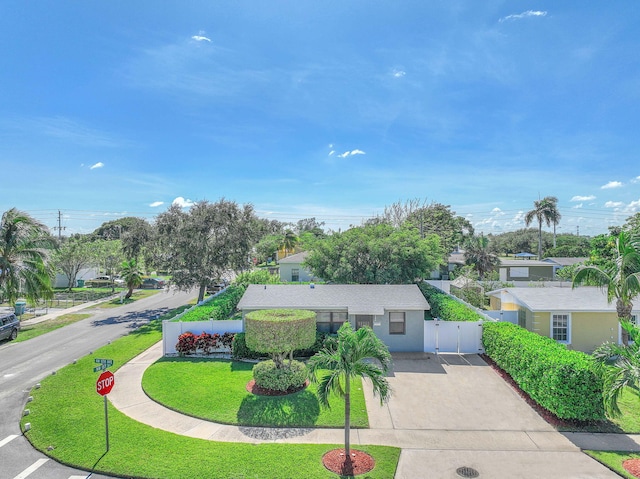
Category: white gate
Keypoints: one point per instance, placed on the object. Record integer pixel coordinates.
(453, 337)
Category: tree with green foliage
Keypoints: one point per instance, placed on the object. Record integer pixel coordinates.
(375, 254)
(25, 251)
(619, 279)
(544, 211)
(345, 359)
(440, 220)
(73, 255)
(109, 256)
(569, 246)
(256, 276)
(267, 248)
(619, 367)
(289, 242)
(131, 275)
(632, 224)
(480, 255)
(135, 239)
(115, 229)
(206, 242)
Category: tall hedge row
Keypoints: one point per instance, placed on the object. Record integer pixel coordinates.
(446, 308)
(560, 380)
(219, 308)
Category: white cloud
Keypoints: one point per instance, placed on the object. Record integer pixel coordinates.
(399, 73)
(497, 212)
(613, 204)
(519, 16)
(579, 205)
(611, 184)
(97, 165)
(583, 198)
(155, 204)
(636, 180)
(331, 153)
(181, 202)
(200, 37)
(351, 153)
(632, 207)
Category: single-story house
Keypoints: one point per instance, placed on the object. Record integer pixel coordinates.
(292, 271)
(525, 270)
(561, 262)
(62, 280)
(581, 318)
(394, 312)
(455, 260)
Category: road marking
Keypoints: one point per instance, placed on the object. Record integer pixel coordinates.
(8, 439)
(32, 468)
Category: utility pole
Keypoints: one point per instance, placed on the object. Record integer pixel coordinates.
(578, 230)
(59, 227)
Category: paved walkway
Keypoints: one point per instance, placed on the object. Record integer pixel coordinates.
(59, 312)
(458, 429)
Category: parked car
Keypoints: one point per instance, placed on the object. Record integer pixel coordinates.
(9, 326)
(217, 286)
(152, 283)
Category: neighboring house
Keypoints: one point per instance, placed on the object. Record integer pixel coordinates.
(525, 270)
(394, 312)
(581, 318)
(292, 271)
(62, 280)
(455, 260)
(559, 263)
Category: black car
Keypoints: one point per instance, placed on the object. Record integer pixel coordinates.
(9, 326)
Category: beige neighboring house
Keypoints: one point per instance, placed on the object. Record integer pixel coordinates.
(525, 270)
(394, 312)
(581, 318)
(292, 271)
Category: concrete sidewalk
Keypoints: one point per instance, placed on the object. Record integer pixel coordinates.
(60, 312)
(426, 453)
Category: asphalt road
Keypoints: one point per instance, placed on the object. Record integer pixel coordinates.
(22, 365)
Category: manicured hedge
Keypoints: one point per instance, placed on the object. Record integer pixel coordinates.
(239, 349)
(562, 381)
(446, 308)
(219, 308)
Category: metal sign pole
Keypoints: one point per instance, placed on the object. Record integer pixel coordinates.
(106, 421)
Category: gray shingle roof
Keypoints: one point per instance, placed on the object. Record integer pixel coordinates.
(565, 261)
(355, 298)
(295, 258)
(585, 299)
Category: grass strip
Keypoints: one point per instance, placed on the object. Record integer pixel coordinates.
(67, 424)
(140, 294)
(614, 459)
(34, 330)
(215, 390)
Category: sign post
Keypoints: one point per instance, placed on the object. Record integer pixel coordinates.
(103, 387)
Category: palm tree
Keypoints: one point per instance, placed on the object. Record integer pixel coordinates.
(289, 241)
(619, 366)
(545, 211)
(25, 246)
(620, 278)
(554, 215)
(346, 359)
(479, 255)
(132, 276)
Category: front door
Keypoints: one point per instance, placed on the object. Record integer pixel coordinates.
(363, 320)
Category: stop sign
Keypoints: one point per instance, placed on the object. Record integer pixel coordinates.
(105, 383)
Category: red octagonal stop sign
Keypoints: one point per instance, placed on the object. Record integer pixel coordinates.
(105, 383)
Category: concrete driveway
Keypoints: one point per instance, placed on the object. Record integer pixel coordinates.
(450, 412)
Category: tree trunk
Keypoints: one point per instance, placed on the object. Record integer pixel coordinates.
(540, 240)
(624, 314)
(201, 292)
(347, 419)
(129, 293)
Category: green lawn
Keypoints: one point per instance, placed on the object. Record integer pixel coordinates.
(215, 390)
(137, 294)
(68, 415)
(614, 459)
(31, 331)
(629, 421)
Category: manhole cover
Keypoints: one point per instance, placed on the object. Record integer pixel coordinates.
(467, 472)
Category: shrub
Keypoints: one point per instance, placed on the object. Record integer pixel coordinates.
(292, 376)
(207, 342)
(280, 331)
(240, 350)
(562, 381)
(446, 308)
(218, 309)
(186, 343)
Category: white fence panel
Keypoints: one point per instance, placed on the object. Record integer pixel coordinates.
(453, 337)
(171, 330)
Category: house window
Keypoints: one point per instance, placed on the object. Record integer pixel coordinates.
(397, 323)
(363, 320)
(560, 328)
(519, 272)
(330, 322)
(295, 274)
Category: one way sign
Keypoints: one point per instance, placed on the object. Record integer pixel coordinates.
(104, 364)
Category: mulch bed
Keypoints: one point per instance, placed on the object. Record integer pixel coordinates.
(548, 416)
(632, 466)
(253, 388)
(335, 461)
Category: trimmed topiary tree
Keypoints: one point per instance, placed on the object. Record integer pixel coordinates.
(279, 332)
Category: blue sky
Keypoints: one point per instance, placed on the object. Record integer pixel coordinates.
(330, 109)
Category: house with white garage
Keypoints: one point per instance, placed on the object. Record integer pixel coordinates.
(395, 312)
(581, 318)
